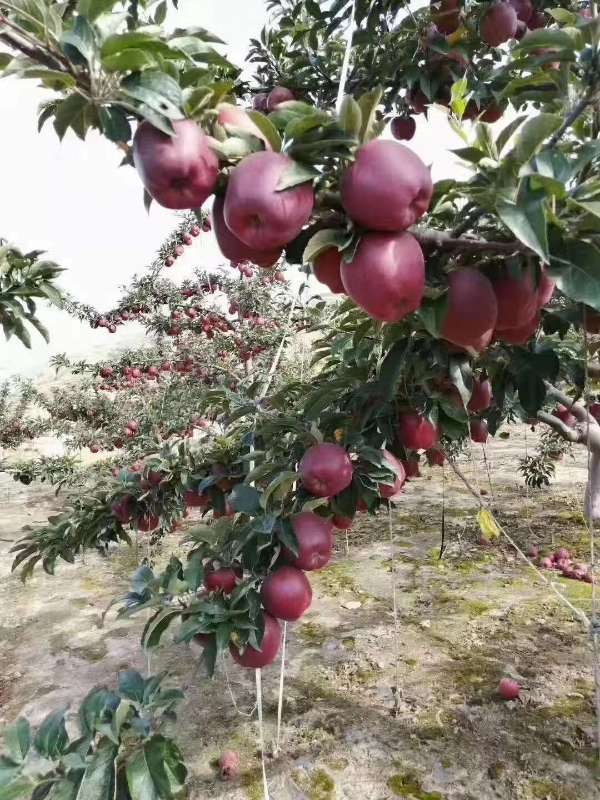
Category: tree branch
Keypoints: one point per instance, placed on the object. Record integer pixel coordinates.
(575, 112)
(579, 412)
(468, 221)
(570, 434)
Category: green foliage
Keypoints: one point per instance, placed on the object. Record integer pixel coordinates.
(119, 750)
(23, 279)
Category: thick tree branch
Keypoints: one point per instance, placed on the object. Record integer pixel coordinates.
(570, 434)
(468, 221)
(579, 412)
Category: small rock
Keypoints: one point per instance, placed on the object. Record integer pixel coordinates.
(425, 623)
(352, 605)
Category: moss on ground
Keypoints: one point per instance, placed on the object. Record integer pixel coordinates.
(547, 790)
(312, 633)
(337, 578)
(409, 786)
(349, 643)
(317, 785)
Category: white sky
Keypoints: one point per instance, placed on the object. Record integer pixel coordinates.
(72, 200)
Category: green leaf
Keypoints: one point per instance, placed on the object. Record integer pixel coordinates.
(287, 536)
(91, 708)
(72, 113)
(17, 738)
(323, 240)
(461, 375)
(130, 60)
(98, 782)
(350, 116)
(433, 313)
(156, 770)
(161, 13)
(68, 787)
(507, 132)
(296, 174)
(527, 221)
(147, 201)
(79, 44)
(575, 266)
(53, 294)
(8, 769)
(545, 38)
(156, 90)
(245, 498)
(533, 133)
(132, 685)
(282, 484)
(267, 128)
(115, 124)
(368, 107)
(51, 737)
(41, 329)
(391, 368)
(92, 9)
(157, 626)
(19, 790)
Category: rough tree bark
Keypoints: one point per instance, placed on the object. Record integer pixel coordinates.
(586, 431)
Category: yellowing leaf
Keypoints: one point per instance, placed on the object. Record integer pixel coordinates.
(338, 435)
(487, 523)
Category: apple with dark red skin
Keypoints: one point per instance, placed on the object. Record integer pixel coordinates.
(418, 102)
(479, 430)
(286, 593)
(481, 396)
(106, 372)
(256, 212)
(222, 580)
(133, 425)
(508, 689)
(233, 248)
(178, 171)
(315, 541)
(492, 114)
(178, 250)
(537, 20)
(517, 299)
(386, 277)
(166, 366)
(342, 523)
(403, 128)
(435, 457)
(153, 371)
(472, 309)
(94, 448)
(278, 95)
(136, 373)
(523, 333)
(445, 15)
(229, 512)
(411, 468)
(269, 647)
(415, 432)
(387, 188)
(545, 288)
(327, 269)
(206, 225)
(594, 409)
(194, 231)
(326, 469)
(169, 261)
(523, 9)
(147, 523)
(261, 102)
(112, 328)
(232, 115)
(400, 476)
(499, 24)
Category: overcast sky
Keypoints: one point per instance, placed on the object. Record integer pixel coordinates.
(72, 200)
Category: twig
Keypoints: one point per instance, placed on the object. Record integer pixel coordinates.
(469, 220)
(575, 112)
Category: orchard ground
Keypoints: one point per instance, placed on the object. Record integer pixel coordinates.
(464, 622)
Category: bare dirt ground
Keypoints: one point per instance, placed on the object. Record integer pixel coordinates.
(367, 715)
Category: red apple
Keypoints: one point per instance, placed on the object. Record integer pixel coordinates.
(390, 491)
(523, 9)
(472, 309)
(499, 24)
(233, 248)
(411, 468)
(326, 469)
(445, 15)
(435, 457)
(403, 128)
(545, 289)
(222, 580)
(315, 541)
(479, 430)
(286, 593)
(148, 522)
(386, 277)
(106, 372)
(517, 299)
(260, 102)
(256, 211)
(537, 20)
(327, 269)
(481, 396)
(178, 171)
(342, 523)
(508, 689)
(387, 188)
(278, 95)
(523, 333)
(255, 659)
(415, 432)
(491, 114)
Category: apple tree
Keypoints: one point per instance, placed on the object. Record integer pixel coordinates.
(464, 304)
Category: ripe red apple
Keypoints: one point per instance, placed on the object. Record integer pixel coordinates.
(106, 372)
(523, 9)
(523, 333)
(561, 554)
(112, 328)
(419, 101)
(186, 239)
(481, 396)
(222, 580)
(326, 469)
(435, 457)
(166, 366)
(278, 95)
(546, 563)
(206, 225)
(94, 448)
(396, 465)
(256, 212)
(147, 522)
(169, 261)
(479, 430)
(411, 468)
(178, 250)
(228, 765)
(491, 114)
(178, 171)
(286, 593)
(120, 508)
(136, 373)
(472, 309)
(403, 128)
(445, 15)
(103, 322)
(153, 371)
(233, 248)
(387, 188)
(327, 269)
(499, 24)
(508, 689)
(195, 231)
(260, 102)
(132, 425)
(342, 523)
(533, 552)
(315, 541)
(545, 289)
(386, 277)
(269, 647)
(232, 115)
(516, 296)
(414, 431)
(537, 20)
